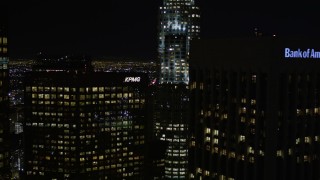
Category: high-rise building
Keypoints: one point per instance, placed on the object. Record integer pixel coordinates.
(255, 109)
(171, 114)
(179, 23)
(4, 101)
(85, 125)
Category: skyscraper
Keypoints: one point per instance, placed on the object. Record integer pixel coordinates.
(85, 125)
(179, 23)
(171, 126)
(255, 109)
(4, 100)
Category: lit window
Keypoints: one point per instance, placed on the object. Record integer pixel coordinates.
(254, 78)
(199, 170)
(215, 141)
(232, 155)
(225, 116)
(250, 150)
(60, 89)
(207, 131)
(216, 132)
(307, 140)
(253, 121)
(66, 96)
(243, 100)
(279, 153)
(251, 159)
(306, 158)
(241, 138)
(299, 112)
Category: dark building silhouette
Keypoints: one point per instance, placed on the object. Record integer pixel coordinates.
(4, 99)
(255, 109)
(81, 124)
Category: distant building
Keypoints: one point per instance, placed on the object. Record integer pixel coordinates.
(255, 109)
(81, 124)
(17, 70)
(4, 102)
(179, 23)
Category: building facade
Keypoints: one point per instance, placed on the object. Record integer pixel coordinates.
(88, 125)
(179, 23)
(255, 111)
(4, 102)
(171, 126)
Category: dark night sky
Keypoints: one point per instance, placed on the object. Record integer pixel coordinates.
(128, 28)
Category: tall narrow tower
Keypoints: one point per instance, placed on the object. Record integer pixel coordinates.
(178, 19)
(4, 100)
(178, 24)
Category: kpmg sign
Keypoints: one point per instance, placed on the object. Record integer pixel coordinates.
(302, 54)
(132, 79)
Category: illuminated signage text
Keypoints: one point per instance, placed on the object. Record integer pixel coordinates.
(132, 79)
(303, 54)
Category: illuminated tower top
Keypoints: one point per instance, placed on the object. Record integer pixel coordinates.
(177, 18)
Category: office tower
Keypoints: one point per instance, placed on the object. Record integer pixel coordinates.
(171, 126)
(255, 111)
(179, 23)
(4, 101)
(81, 124)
